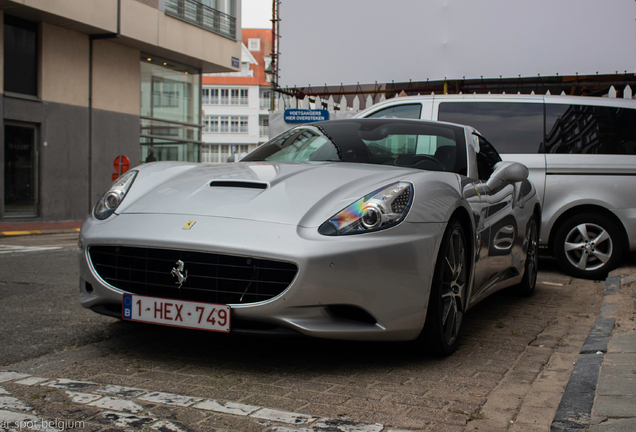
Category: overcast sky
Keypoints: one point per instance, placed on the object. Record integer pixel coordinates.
(350, 41)
(256, 13)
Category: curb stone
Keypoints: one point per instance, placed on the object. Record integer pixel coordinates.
(37, 232)
(575, 410)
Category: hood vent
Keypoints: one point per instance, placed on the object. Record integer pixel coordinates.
(238, 184)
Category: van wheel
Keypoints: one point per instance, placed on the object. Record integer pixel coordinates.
(446, 305)
(588, 246)
(529, 281)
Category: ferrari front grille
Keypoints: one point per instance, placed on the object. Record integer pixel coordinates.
(195, 276)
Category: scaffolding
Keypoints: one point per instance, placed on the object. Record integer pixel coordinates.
(275, 55)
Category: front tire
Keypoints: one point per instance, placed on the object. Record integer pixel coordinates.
(588, 246)
(447, 302)
(529, 282)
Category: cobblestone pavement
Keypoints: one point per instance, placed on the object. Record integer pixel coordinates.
(509, 373)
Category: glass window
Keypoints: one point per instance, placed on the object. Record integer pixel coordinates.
(211, 124)
(20, 56)
(224, 152)
(405, 144)
(210, 153)
(225, 96)
(234, 124)
(169, 94)
(170, 108)
(486, 159)
(510, 127)
(243, 126)
(234, 96)
(214, 97)
(244, 96)
(210, 96)
(254, 44)
(584, 129)
(225, 124)
(165, 92)
(409, 111)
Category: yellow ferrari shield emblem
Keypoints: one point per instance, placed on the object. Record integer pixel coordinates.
(189, 225)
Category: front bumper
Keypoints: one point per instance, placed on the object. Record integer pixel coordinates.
(387, 274)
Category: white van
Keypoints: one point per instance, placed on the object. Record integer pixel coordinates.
(581, 152)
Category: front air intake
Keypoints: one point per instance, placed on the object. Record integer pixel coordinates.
(209, 277)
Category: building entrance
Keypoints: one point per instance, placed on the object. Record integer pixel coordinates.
(20, 171)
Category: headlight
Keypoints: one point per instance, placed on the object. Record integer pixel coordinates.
(108, 203)
(378, 210)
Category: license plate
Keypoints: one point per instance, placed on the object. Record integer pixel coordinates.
(176, 313)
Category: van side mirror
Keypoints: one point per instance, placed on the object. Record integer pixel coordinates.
(507, 172)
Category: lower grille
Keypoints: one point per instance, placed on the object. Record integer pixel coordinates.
(210, 278)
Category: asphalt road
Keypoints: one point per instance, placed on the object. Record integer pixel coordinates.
(39, 310)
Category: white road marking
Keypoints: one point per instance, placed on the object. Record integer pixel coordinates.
(5, 249)
(83, 398)
(290, 429)
(71, 384)
(116, 404)
(227, 408)
(170, 399)
(31, 381)
(345, 426)
(128, 420)
(164, 426)
(10, 376)
(14, 404)
(26, 421)
(122, 391)
(283, 416)
(127, 408)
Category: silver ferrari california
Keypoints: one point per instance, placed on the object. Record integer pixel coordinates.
(364, 229)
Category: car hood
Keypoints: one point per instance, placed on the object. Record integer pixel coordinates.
(303, 194)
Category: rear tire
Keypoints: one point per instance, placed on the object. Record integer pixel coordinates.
(529, 282)
(588, 246)
(447, 302)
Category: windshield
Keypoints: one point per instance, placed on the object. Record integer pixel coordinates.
(421, 145)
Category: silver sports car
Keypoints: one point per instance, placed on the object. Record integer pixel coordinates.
(365, 229)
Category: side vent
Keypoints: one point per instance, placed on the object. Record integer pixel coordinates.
(238, 184)
(352, 313)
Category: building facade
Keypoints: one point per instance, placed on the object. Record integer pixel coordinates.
(86, 81)
(236, 105)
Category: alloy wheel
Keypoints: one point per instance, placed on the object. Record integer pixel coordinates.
(533, 254)
(453, 288)
(588, 246)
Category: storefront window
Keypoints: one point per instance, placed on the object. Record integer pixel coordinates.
(170, 111)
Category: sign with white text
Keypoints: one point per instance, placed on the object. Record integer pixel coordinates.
(305, 115)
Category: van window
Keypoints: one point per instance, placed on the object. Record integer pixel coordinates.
(510, 127)
(584, 129)
(409, 111)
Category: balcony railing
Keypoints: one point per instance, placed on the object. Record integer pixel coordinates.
(263, 131)
(198, 14)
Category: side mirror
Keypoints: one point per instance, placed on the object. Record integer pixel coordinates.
(507, 172)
